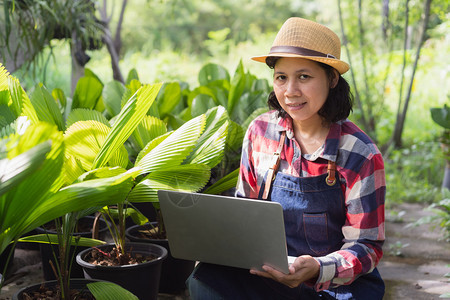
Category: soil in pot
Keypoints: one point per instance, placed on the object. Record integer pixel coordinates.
(50, 290)
(174, 271)
(142, 279)
(84, 229)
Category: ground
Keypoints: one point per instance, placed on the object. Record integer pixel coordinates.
(413, 267)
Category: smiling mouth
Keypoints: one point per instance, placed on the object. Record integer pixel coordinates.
(296, 105)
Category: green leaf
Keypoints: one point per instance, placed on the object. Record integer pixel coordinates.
(112, 97)
(109, 291)
(127, 121)
(87, 93)
(132, 75)
(188, 178)
(84, 114)
(441, 116)
(84, 141)
(237, 88)
(58, 95)
(28, 196)
(211, 72)
(168, 98)
(212, 150)
(175, 148)
(79, 196)
(224, 184)
(14, 171)
(53, 239)
(151, 145)
(201, 103)
(148, 129)
(4, 74)
(46, 107)
(17, 95)
(215, 119)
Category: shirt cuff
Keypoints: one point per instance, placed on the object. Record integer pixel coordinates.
(326, 273)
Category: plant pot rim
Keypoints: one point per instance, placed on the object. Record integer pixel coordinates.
(80, 257)
(54, 282)
(134, 227)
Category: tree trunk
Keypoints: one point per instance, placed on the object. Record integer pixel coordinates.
(398, 130)
(112, 46)
(77, 69)
(364, 122)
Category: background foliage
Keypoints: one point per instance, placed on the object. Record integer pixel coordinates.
(171, 40)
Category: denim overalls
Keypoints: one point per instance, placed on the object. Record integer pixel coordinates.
(314, 213)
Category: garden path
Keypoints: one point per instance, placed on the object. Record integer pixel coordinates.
(413, 266)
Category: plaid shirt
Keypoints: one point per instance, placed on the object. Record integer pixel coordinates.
(361, 169)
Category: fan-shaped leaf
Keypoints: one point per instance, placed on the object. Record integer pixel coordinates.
(168, 98)
(4, 74)
(148, 129)
(150, 145)
(84, 114)
(223, 184)
(112, 97)
(212, 150)
(87, 93)
(110, 291)
(46, 107)
(127, 121)
(188, 178)
(84, 140)
(174, 149)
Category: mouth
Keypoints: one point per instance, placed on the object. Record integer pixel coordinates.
(296, 106)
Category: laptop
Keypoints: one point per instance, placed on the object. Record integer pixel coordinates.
(236, 232)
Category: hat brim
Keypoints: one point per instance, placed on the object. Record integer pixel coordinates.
(339, 65)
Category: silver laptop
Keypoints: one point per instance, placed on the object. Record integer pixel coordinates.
(237, 232)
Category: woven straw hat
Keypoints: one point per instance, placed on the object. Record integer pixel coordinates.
(307, 39)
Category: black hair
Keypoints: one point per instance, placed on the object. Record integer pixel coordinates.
(339, 103)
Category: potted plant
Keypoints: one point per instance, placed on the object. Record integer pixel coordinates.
(31, 177)
(441, 116)
(174, 271)
(180, 160)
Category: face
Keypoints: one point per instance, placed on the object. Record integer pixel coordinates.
(301, 87)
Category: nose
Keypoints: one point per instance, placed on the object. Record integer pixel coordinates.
(292, 89)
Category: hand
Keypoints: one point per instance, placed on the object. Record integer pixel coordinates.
(304, 268)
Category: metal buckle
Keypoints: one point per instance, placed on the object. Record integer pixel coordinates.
(330, 182)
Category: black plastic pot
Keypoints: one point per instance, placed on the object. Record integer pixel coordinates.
(47, 250)
(75, 284)
(140, 279)
(174, 271)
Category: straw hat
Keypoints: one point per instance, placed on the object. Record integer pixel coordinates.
(307, 39)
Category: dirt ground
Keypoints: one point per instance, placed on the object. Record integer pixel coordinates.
(413, 267)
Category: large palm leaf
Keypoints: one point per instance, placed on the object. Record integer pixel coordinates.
(150, 128)
(126, 122)
(188, 178)
(46, 107)
(85, 139)
(174, 149)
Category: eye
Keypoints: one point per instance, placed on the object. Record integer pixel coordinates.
(304, 76)
(280, 77)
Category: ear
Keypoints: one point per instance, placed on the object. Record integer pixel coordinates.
(334, 81)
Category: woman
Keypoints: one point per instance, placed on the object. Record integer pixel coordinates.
(325, 172)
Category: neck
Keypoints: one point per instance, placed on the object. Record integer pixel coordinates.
(311, 134)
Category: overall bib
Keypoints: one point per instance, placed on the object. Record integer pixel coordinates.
(314, 213)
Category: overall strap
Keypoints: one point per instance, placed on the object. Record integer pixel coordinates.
(275, 165)
(331, 178)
